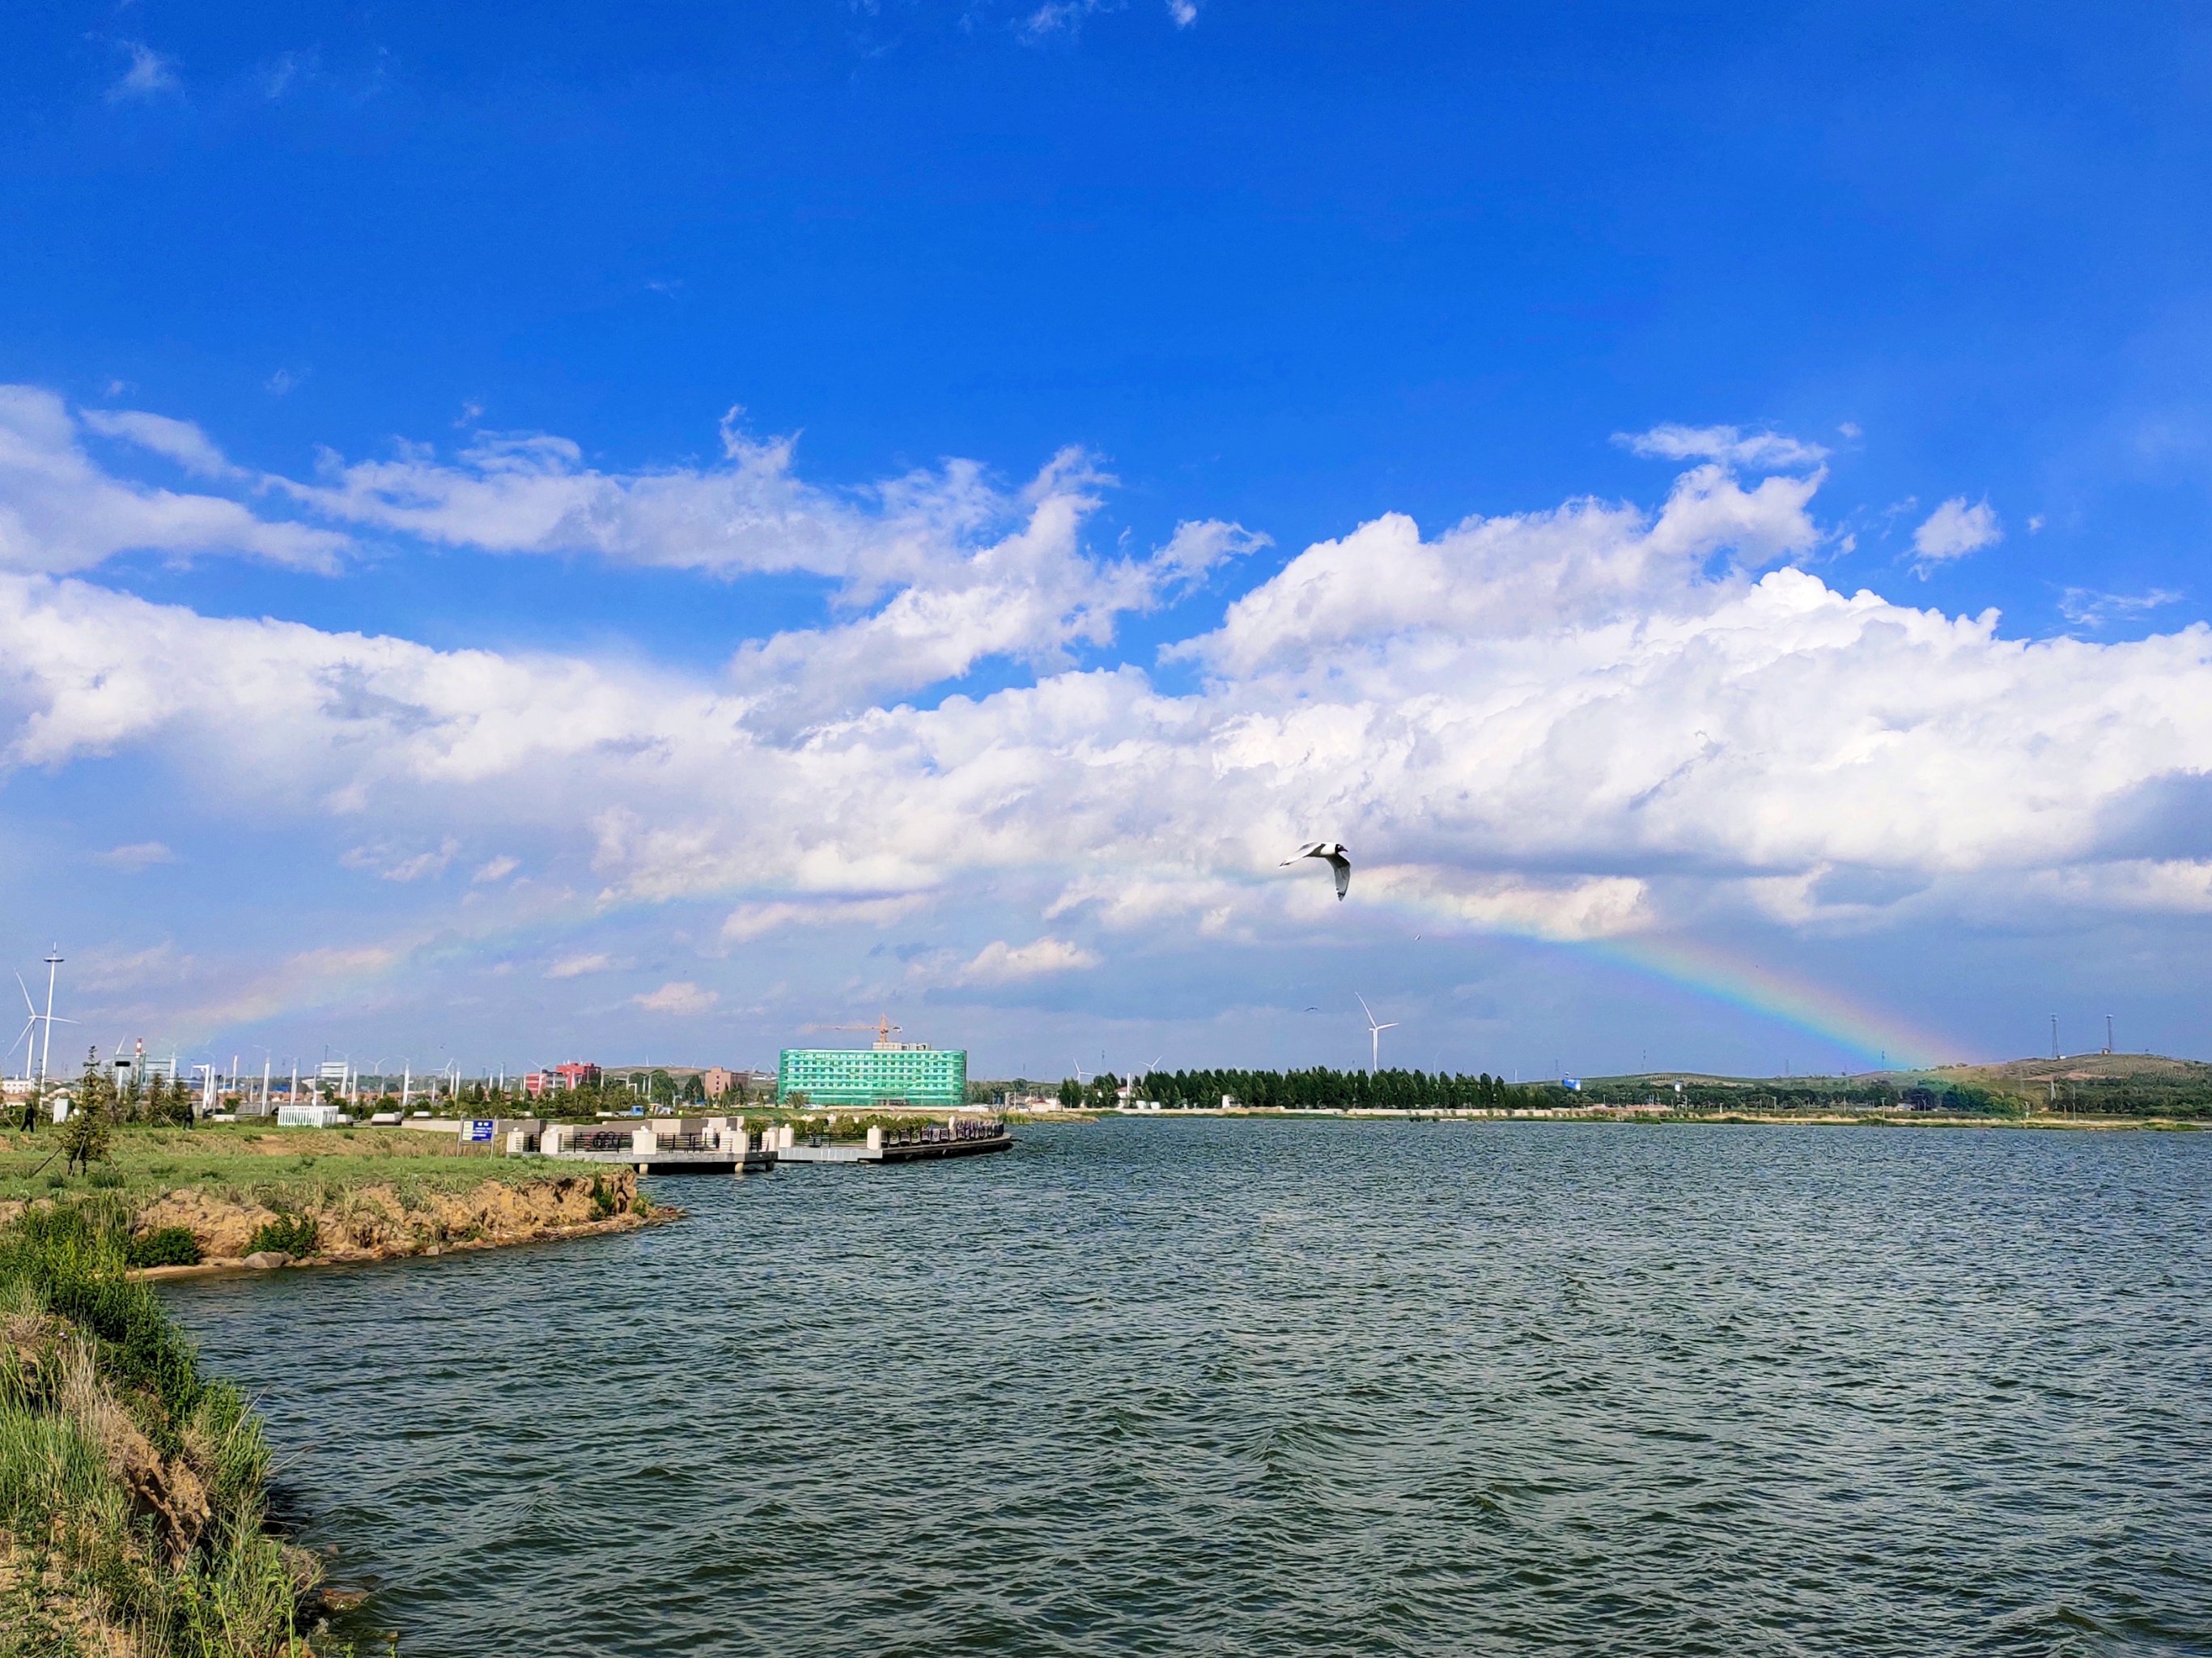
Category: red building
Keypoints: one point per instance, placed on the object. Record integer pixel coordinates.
(573, 1075)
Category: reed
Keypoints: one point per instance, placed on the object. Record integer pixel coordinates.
(133, 1490)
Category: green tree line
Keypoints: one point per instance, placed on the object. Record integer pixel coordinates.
(1319, 1088)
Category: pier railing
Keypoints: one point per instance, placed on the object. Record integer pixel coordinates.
(621, 1140)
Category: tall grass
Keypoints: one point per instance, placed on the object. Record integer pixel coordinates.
(133, 1490)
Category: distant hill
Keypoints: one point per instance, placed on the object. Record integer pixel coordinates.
(2094, 1068)
(2101, 1084)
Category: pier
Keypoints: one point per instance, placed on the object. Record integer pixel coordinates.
(724, 1146)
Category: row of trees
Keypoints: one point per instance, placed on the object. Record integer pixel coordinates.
(96, 1098)
(1317, 1089)
(610, 1094)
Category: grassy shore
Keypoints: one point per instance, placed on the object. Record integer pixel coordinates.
(224, 1193)
(241, 1160)
(133, 1490)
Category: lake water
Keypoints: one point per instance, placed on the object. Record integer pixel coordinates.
(1282, 1387)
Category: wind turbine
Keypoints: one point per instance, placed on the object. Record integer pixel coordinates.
(47, 1019)
(1374, 1033)
(22, 1037)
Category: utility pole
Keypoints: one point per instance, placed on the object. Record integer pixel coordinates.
(2108, 1032)
(2054, 1036)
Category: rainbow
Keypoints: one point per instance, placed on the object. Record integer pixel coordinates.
(1732, 979)
(328, 978)
(1757, 988)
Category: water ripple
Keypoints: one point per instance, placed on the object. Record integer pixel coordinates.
(1291, 1388)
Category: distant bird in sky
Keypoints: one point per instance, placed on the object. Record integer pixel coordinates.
(1331, 852)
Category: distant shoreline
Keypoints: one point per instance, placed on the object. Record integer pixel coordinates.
(1657, 1119)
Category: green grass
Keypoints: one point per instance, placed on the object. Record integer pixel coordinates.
(287, 1234)
(90, 1366)
(280, 1169)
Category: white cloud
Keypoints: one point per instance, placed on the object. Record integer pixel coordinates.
(1728, 445)
(139, 855)
(60, 512)
(1184, 12)
(1197, 549)
(750, 921)
(575, 967)
(180, 441)
(679, 996)
(1001, 963)
(148, 74)
(1953, 530)
(1580, 565)
(937, 571)
(1058, 17)
(402, 867)
(498, 868)
(2088, 609)
(1574, 723)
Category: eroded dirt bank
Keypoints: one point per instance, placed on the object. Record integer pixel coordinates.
(381, 1221)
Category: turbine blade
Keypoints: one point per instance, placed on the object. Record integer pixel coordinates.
(26, 989)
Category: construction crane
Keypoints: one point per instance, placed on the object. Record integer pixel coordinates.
(883, 1027)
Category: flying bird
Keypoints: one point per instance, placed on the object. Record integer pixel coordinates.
(1331, 852)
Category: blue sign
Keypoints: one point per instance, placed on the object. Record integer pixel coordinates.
(1574, 1082)
(478, 1128)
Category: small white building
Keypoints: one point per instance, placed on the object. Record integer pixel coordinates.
(307, 1116)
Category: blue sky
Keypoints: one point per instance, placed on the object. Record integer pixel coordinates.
(664, 526)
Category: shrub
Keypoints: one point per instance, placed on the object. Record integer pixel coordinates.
(168, 1245)
(72, 1267)
(287, 1234)
(603, 1201)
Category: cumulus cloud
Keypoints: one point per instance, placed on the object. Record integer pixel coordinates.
(1953, 530)
(680, 997)
(1001, 963)
(1184, 12)
(747, 514)
(936, 570)
(1589, 721)
(493, 869)
(1581, 565)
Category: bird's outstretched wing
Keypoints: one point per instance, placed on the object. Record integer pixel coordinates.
(1331, 852)
(1342, 865)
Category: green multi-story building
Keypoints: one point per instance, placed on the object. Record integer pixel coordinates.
(891, 1073)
